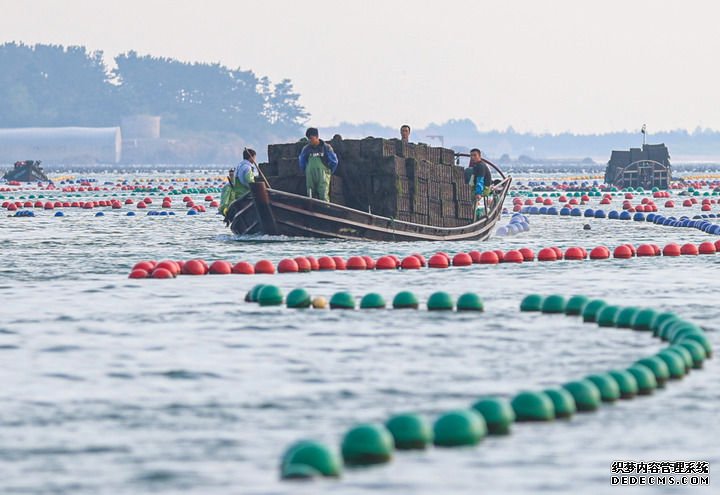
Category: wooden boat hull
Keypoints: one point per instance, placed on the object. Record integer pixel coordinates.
(272, 212)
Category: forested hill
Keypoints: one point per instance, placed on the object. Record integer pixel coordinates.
(52, 85)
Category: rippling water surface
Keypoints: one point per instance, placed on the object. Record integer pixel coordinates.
(120, 386)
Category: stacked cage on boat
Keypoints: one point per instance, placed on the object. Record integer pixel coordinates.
(388, 177)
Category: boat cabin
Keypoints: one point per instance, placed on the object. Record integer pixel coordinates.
(645, 167)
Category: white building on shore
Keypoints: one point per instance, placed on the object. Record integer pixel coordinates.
(61, 145)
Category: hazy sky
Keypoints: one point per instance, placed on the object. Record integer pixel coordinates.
(582, 66)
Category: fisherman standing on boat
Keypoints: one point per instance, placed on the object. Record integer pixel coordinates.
(245, 173)
(478, 174)
(405, 133)
(227, 195)
(318, 162)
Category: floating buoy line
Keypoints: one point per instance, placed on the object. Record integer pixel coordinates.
(377, 443)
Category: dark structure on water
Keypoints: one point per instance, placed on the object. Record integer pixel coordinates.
(645, 167)
(26, 171)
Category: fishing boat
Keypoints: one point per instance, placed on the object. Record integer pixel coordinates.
(26, 171)
(270, 211)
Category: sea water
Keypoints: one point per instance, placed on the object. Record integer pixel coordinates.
(118, 386)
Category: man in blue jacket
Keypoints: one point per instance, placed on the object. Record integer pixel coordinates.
(318, 161)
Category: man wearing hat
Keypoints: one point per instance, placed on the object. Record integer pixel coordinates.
(318, 162)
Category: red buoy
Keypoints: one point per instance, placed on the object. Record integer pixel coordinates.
(706, 207)
(169, 265)
(513, 256)
(369, 262)
(447, 256)
(558, 252)
(138, 273)
(314, 265)
(687, 203)
(574, 253)
(707, 247)
(421, 258)
(645, 250)
(547, 254)
(161, 273)
(287, 265)
(528, 254)
(141, 205)
(462, 259)
(717, 245)
(220, 267)
(671, 249)
(326, 263)
(339, 263)
(144, 265)
(599, 253)
(410, 263)
(385, 263)
(243, 268)
(689, 249)
(356, 263)
(489, 258)
(147, 200)
(632, 249)
(438, 261)
(622, 252)
(265, 266)
(500, 254)
(303, 264)
(128, 201)
(475, 256)
(193, 267)
(670, 204)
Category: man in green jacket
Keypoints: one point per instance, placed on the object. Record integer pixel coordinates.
(245, 173)
(318, 161)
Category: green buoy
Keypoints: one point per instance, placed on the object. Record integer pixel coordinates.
(440, 301)
(367, 444)
(585, 394)
(608, 387)
(658, 367)
(563, 402)
(575, 305)
(253, 293)
(553, 304)
(470, 302)
(270, 295)
(405, 300)
(372, 300)
(643, 319)
(645, 378)
(591, 309)
(315, 456)
(681, 328)
(410, 431)
(684, 355)
(498, 414)
(665, 327)
(532, 302)
(342, 300)
(607, 315)
(675, 364)
(696, 351)
(700, 338)
(626, 383)
(298, 298)
(459, 427)
(533, 406)
(659, 319)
